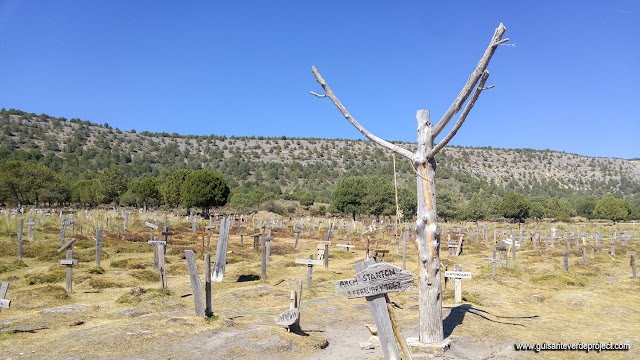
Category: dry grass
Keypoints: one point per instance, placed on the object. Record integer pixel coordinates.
(123, 307)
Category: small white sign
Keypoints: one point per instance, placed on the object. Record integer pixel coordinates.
(458, 274)
(157, 242)
(309, 262)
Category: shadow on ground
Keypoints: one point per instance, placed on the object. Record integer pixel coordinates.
(457, 314)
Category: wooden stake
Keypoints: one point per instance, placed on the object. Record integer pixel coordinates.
(196, 284)
(207, 284)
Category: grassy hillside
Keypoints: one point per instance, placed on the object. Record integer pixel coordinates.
(289, 167)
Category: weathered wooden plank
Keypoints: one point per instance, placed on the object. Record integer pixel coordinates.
(161, 266)
(207, 284)
(67, 245)
(4, 303)
(153, 226)
(288, 317)
(376, 279)
(20, 225)
(494, 260)
(221, 251)
(157, 242)
(458, 274)
(196, 284)
(309, 261)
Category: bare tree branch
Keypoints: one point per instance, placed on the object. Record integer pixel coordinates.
(462, 117)
(471, 83)
(317, 95)
(395, 148)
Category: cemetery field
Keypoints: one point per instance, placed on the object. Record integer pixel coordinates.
(119, 309)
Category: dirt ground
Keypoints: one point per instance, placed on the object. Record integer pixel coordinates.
(120, 310)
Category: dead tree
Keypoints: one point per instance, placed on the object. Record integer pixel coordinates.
(427, 229)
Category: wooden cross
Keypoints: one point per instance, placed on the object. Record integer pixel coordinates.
(458, 275)
(69, 262)
(493, 263)
(30, 229)
(4, 303)
(309, 262)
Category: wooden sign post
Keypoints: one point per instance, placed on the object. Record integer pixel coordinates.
(4, 303)
(69, 261)
(493, 263)
(196, 284)
(565, 255)
(310, 262)
(458, 275)
(373, 281)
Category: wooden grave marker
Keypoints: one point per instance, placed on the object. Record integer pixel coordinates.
(4, 303)
(290, 318)
(21, 224)
(373, 281)
(196, 283)
(98, 245)
(207, 285)
(263, 259)
(221, 251)
(458, 275)
(493, 262)
(309, 262)
(565, 255)
(69, 262)
(63, 230)
(30, 227)
(256, 241)
(632, 262)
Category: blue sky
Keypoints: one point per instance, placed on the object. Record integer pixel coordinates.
(244, 68)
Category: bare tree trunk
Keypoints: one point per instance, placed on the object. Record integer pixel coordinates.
(428, 236)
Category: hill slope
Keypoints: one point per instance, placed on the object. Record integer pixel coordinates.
(80, 150)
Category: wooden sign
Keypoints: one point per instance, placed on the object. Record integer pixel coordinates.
(324, 243)
(68, 262)
(309, 262)
(458, 274)
(376, 279)
(345, 246)
(494, 261)
(157, 242)
(288, 317)
(153, 226)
